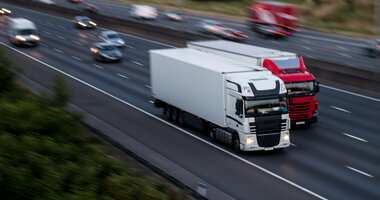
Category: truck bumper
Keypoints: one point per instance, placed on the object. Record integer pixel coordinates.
(254, 146)
(309, 121)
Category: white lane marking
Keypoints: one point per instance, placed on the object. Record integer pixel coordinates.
(47, 32)
(172, 125)
(62, 27)
(345, 55)
(76, 58)
(306, 41)
(148, 86)
(121, 75)
(137, 63)
(351, 93)
(90, 35)
(78, 43)
(275, 42)
(308, 48)
(43, 44)
(48, 23)
(95, 65)
(132, 36)
(75, 30)
(357, 138)
(150, 101)
(131, 47)
(291, 144)
(331, 40)
(340, 109)
(340, 47)
(57, 50)
(360, 172)
(60, 37)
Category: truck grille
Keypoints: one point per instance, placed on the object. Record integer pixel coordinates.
(268, 132)
(301, 111)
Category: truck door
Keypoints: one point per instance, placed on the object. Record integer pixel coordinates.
(234, 112)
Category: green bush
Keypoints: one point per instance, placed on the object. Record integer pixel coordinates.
(6, 74)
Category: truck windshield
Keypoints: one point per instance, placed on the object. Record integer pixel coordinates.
(27, 32)
(300, 88)
(254, 108)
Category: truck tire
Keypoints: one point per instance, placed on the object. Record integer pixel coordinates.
(168, 112)
(174, 114)
(181, 118)
(212, 133)
(236, 143)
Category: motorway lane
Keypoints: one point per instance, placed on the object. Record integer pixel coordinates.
(319, 161)
(333, 48)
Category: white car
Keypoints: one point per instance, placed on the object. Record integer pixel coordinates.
(143, 12)
(113, 38)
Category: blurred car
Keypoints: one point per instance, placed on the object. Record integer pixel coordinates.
(106, 52)
(232, 34)
(76, 1)
(84, 22)
(373, 48)
(46, 1)
(211, 26)
(5, 11)
(90, 8)
(113, 38)
(143, 12)
(271, 31)
(170, 15)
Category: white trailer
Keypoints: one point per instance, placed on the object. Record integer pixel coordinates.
(234, 102)
(242, 52)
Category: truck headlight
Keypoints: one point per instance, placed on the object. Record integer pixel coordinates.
(286, 137)
(249, 141)
(19, 37)
(283, 88)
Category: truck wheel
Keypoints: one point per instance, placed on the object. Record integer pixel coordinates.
(168, 112)
(212, 134)
(174, 115)
(236, 143)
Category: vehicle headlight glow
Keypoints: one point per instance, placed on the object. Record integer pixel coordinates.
(35, 37)
(94, 50)
(120, 41)
(19, 37)
(6, 10)
(82, 24)
(249, 141)
(286, 137)
(92, 23)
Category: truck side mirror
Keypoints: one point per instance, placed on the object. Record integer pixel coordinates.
(239, 107)
(317, 86)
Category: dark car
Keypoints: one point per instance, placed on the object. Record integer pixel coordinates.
(373, 48)
(211, 26)
(90, 8)
(5, 11)
(170, 15)
(106, 52)
(232, 34)
(271, 31)
(84, 22)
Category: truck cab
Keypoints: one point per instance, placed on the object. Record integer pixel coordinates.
(301, 86)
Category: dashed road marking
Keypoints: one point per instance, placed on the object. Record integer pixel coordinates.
(341, 109)
(43, 44)
(354, 137)
(340, 47)
(95, 65)
(62, 27)
(76, 58)
(131, 47)
(345, 55)
(137, 63)
(360, 172)
(60, 37)
(91, 35)
(123, 76)
(47, 32)
(308, 48)
(57, 50)
(78, 43)
(148, 86)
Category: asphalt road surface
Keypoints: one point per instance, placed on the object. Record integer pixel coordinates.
(337, 158)
(327, 47)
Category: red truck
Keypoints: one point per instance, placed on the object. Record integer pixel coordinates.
(275, 17)
(301, 85)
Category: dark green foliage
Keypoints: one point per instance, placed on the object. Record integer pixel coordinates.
(60, 93)
(6, 74)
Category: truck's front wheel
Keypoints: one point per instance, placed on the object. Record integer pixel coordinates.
(236, 143)
(168, 112)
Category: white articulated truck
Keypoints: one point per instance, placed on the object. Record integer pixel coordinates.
(233, 102)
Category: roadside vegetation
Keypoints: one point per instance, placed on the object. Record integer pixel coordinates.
(351, 17)
(45, 155)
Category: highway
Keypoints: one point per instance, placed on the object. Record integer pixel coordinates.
(328, 47)
(337, 158)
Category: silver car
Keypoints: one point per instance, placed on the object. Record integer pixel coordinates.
(112, 37)
(106, 52)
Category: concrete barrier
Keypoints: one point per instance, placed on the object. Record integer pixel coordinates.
(368, 80)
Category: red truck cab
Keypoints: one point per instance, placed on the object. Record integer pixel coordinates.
(301, 86)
